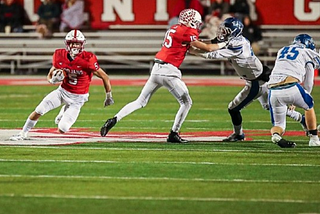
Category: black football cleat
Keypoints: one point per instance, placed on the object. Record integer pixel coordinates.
(286, 144)
(174, 137)
(107, 126)
(234, 138)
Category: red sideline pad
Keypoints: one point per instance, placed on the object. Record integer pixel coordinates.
(129, 80)
(124, 80)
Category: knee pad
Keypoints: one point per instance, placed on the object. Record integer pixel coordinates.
(186, 100)
(63, 127)
(40, 109)
(44, 107)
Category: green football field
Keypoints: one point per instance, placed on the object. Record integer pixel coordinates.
(250, 177)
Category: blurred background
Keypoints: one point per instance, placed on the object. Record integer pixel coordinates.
(126, 34)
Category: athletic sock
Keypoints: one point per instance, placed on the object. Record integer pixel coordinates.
(276, 137)
(29, 125)
(238, 129)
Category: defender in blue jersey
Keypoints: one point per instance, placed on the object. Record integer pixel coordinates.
(294, 65)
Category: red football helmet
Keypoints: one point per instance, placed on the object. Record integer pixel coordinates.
(191, 18)
(74, 42)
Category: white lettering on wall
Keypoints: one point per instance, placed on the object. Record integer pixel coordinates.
(123, 8)
(299, 10)
(161, 11)
(28, 6)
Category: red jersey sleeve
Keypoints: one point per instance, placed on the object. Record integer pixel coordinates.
(56, 58)
(88, 61)
(92, 61)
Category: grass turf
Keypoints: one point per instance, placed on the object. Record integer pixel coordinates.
(243, 177)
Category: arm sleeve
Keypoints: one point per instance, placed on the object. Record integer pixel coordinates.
(308, 81)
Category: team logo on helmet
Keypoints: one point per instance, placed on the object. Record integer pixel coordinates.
(304, 40)
(229, 29)
(191, 18)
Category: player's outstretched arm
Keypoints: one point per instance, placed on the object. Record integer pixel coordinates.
(207, 47)
(107, 86)
(196, 51)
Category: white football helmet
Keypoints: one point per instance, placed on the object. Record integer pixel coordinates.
(74, 42)
(191, 18)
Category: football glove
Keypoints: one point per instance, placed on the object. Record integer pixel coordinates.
(109, 100)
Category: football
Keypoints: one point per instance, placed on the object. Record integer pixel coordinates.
(58, 75)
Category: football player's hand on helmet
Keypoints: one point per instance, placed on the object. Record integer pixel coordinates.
(109, 100)
(57, 76)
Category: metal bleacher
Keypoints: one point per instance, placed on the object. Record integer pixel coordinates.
(277, 36)
(127, 47)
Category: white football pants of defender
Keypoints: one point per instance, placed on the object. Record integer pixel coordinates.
(280, 98)
(255, 90)
(174, 85)
(263, 99)
(56, 98)
(259, 92)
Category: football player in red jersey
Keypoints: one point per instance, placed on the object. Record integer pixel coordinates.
(165, 72)
(74, 67)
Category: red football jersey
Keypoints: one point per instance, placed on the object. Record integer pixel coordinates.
(78, 72)
(176, 44)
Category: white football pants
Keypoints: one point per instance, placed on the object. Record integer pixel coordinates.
(60, 96)
(279, 99)
(174, 85)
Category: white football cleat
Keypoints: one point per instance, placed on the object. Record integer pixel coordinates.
(21, 136)
(314, 141)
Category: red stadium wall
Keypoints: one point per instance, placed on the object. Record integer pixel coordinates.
(103, 13)
(288, 12)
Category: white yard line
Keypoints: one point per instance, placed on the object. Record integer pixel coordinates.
(159, 179)
(158, 162)
(245, 150)
(151, 198)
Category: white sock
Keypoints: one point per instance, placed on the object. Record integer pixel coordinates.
(276, 138)
(314, 137)
(29, 125)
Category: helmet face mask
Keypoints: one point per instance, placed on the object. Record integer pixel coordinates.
(74, 42)
(230, 28)
(190, 18)
(304, 40)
